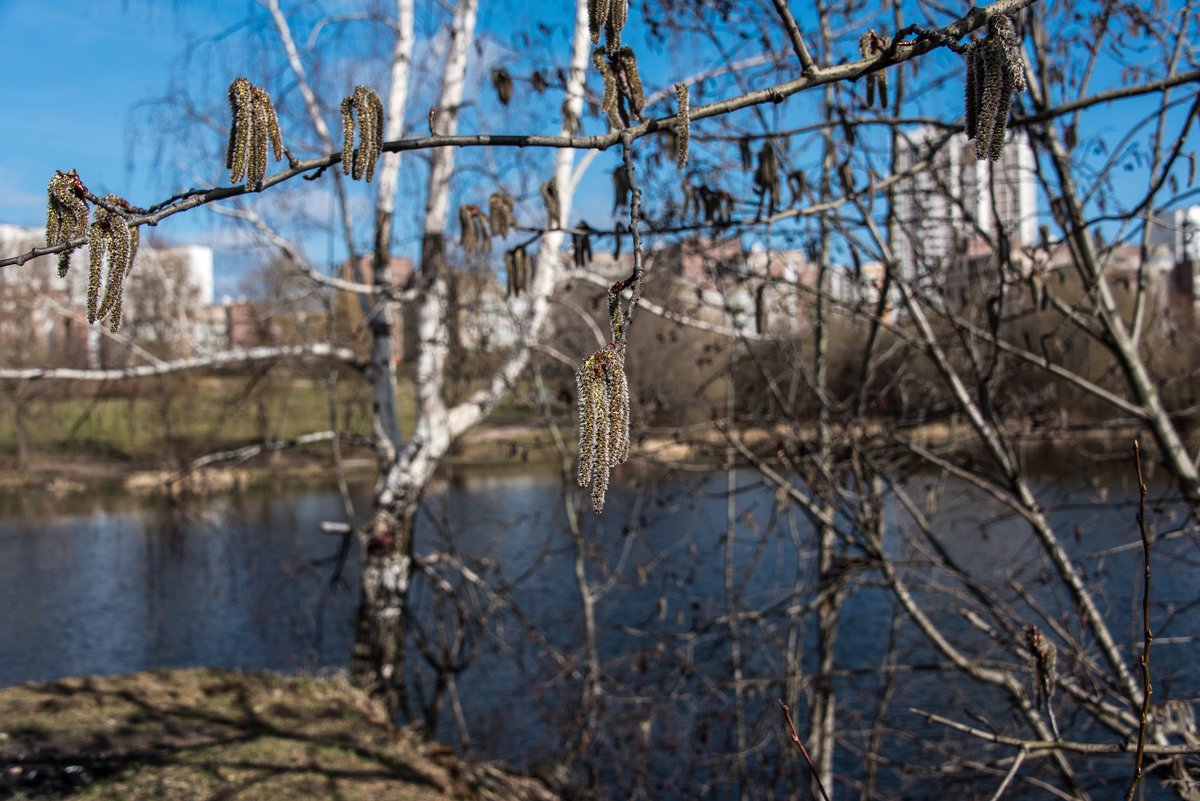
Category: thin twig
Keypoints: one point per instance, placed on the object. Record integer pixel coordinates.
(634, 281)
(1008, 777)
(1149, 637)
(787, 713)
(793, 32)
(248, 452)
(1056, 745)
(222, 359)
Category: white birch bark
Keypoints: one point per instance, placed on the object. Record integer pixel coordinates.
(437, 424)
(431, 438)
(379, 660)
(382, 318)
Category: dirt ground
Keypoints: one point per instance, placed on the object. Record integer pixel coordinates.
(212, 734)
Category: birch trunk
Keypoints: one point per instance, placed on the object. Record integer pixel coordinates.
(822, 719)
(408, 466)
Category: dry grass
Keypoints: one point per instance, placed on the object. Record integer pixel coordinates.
(209, 734)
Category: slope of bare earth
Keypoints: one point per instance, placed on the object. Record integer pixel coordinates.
(210, 734)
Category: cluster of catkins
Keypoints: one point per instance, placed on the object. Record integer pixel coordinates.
(111, 241)
(366, 106)
(603, 397)
(254, 124)
(995, 70)
(254, 136)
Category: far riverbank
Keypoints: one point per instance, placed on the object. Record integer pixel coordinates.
(526, 446)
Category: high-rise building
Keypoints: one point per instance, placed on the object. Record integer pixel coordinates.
(1179, 230)
(955, 199)
(1174, 240)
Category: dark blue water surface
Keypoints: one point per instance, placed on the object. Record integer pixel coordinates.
(101, 584)
(116, 584)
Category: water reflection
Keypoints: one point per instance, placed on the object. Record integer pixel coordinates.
(116, 589)
(119, 584)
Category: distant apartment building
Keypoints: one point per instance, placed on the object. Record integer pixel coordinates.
(43, 317)
(954, 203)
(36, 319)
(719, 280)
(1179, 230)
(1174, 240)
(351, 326)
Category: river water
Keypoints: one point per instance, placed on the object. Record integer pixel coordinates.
(101, 584)
(119, 583)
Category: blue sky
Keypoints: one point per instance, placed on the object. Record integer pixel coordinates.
(87, 70)
(76, 70)
(90, 69)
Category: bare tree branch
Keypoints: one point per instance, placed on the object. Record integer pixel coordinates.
(223, 359)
